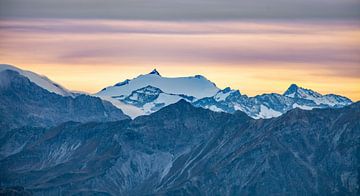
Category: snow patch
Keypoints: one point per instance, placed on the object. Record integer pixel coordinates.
(303, 107)
(214, 108)
(127, 109)
(266, 112)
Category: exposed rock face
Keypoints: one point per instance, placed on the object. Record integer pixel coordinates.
(183, 150)
(22, 103)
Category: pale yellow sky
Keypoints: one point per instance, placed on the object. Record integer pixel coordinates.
(254, 57)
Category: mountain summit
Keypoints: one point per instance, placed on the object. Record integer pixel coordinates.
(154, 71)
(291, 90)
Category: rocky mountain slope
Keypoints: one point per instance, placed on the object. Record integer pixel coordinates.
(24, 103)
(184, 150)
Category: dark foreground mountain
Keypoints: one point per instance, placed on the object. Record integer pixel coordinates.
(183, 150)
(24, 103)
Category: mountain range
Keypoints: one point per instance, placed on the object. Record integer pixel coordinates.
(151, 92)
(190, 138)
(148, 93)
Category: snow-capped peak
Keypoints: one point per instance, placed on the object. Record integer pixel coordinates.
(152, 91)
(155, 72)
(41, 81)
(301, 93)
(295, 91)
(194, 86)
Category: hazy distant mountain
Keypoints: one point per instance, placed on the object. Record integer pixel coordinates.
(41, 81)
(24, 103)
(151, 92)
(271, 105)
(184, 150)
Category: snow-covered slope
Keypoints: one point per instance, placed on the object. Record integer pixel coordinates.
(41, 81)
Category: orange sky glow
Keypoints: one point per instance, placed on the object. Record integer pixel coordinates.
(255, 57)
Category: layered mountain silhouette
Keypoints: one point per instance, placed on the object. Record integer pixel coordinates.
(183, 150)
(56, 142)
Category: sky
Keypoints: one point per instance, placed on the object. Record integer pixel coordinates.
(255, 46)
